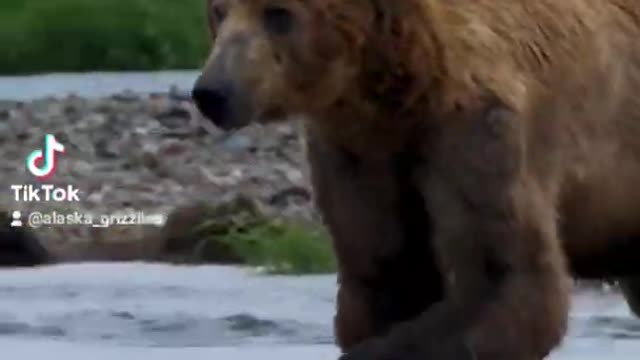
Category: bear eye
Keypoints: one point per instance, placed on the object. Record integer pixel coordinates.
(218, 12)
(278, 20)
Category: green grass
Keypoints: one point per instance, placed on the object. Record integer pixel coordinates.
(86, 35)
(278, 246)
(284, 248)
(237, 230)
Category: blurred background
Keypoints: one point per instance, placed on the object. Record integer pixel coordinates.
(240, 266)
(81, 35)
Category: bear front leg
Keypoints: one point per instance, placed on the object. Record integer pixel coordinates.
(507, 286)
(362, 204)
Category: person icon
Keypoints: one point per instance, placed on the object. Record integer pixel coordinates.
(17, 219)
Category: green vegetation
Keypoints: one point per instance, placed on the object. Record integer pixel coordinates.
(284, 248)
(84, 35)
(276, 245)
(238, 231)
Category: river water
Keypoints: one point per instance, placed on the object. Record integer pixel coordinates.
(92, 84)
(134, 310)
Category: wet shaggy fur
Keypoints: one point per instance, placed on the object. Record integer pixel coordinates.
(468, 157)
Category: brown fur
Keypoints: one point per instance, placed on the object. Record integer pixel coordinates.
(468, 157)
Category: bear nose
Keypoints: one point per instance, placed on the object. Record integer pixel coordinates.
(213, 103)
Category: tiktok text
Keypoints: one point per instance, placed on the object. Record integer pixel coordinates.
(37, 219)
(33, 193)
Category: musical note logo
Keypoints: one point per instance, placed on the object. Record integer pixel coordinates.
(42, 163)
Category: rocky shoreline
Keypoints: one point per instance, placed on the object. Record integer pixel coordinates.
(150, 153)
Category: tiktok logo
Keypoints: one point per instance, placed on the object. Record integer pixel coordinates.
(42, 163)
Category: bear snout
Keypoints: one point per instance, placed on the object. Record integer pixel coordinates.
(220, 105)
(212, 103)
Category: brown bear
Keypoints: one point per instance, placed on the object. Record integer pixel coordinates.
(468, 157)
